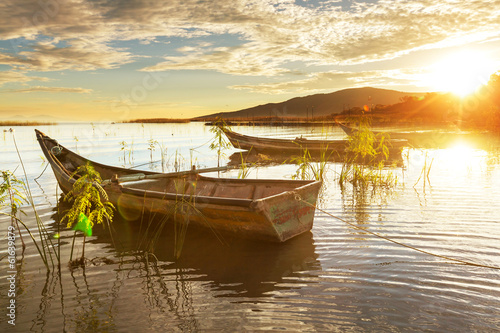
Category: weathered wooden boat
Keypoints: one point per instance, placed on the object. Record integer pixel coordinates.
(296, 145)
(271, 210)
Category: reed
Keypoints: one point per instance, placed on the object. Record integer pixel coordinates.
(151, 148)
(163, 154)
(310, 169)
(219, 142)
(364, 161)
(123, 147)
(46, 247)
(89, 204)
(426, 169)
(11, 195)
(244, 169)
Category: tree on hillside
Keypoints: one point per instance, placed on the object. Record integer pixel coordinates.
(494, 88)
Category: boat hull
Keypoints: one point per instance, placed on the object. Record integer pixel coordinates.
(269, 210)
(297, 145)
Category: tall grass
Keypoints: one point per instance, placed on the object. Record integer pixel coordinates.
(366, 157)
(219, 142)
(309, 168)
(46, 247)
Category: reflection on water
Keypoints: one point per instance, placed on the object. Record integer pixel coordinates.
(335, 278)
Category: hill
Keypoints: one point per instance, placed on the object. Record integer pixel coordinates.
(320, 104)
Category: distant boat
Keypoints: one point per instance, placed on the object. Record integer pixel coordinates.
(270, 210)
(247, 142)
(434, 138)
(405, 135)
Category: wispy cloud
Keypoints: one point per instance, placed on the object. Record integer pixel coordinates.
(51, 90)
(18, 77)
(326, 81)
(281, 31)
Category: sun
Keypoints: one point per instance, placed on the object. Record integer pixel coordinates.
(461, 73)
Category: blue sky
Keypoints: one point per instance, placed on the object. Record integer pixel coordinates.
(116, 60)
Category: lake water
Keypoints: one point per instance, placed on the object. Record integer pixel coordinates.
(338, 278)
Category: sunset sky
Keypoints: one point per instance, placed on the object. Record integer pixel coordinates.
(115, 60)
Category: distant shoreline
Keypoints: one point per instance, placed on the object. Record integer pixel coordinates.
(25, 123)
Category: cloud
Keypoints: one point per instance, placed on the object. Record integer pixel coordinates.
(238, 60)
(326, 81)
(51, 90)
(271, 33)
(18, 77)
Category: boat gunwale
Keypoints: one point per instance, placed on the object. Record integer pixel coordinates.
(304, 184)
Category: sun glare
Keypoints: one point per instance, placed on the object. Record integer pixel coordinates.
(460, 158)
(462, 73)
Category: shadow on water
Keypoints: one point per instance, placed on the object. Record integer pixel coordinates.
(238, 266)
(118, 277)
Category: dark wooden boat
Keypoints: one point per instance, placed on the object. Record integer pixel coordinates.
(272, 210)
(296, 145)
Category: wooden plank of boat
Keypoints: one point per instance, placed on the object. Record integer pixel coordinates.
(247, 142)
(251, 208)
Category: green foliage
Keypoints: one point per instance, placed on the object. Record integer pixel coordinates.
(88, 198)
(244, 170)
(309, 169)
(219, 143)
(366, 157)
(11, 192)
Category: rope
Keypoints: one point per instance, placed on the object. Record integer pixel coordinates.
(136, 166)
(201, 144)
(42, 172)
(298, 198)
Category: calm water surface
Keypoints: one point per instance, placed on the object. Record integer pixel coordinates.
(335, 279)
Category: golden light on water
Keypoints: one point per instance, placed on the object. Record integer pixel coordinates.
(459, 158)
(461, 73)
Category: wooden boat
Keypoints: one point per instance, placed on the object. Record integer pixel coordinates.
(296, 145)
(425, 138)
(271, 210)
(393, 135)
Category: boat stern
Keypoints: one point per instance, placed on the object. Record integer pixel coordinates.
(291, 213)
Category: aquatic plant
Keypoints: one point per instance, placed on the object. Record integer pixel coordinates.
(366, 157)
(46, 247)
(244, 170)
(151, 148)
(426, 169)
(11, 195)
(163, 153)
(90, 204)
(219, 143)
(310, 169)
(123, 148)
